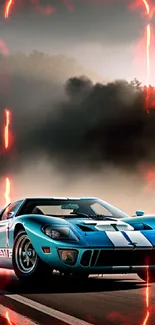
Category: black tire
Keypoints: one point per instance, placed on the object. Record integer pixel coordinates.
(150, 278)
(23, 271)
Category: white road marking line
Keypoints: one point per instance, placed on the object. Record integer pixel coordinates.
(15, 318)
(71, 320)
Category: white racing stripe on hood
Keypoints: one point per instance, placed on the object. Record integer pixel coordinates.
(118, 240)
(139, 239)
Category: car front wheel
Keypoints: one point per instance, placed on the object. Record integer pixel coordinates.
(26, 263)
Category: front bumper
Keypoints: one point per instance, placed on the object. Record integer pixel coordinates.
(100, 260)
(92, 259)
(104, 258)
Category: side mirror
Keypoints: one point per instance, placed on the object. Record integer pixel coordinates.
(10, 215)
(139, 213)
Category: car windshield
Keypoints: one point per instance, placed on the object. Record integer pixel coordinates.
(71, 208)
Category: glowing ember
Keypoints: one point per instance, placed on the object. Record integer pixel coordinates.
(7, 8)
(7, 191)
(8, 318)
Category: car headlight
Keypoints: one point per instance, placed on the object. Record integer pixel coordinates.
(60, 233)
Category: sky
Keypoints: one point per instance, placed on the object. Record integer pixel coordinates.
(106, 36)
(103, 35)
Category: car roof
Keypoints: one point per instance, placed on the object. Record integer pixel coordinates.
(61, 198)
(41, 198)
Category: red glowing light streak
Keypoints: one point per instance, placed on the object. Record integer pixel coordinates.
(6, 145)
(148, 33)
(8, 318)
(7, 8)
(148, 38)
(148, 43)
(7, 123)
(6, 129)
(147, 289)
(146, 6)
(147, 298)
(146, 318)
(7, 191)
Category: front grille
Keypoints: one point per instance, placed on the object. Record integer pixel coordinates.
(94, 257)
(126, 258)
(118, 258)
(85, 260)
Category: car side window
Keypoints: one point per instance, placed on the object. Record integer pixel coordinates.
(8, 209)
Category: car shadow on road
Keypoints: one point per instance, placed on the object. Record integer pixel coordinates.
(61, 284)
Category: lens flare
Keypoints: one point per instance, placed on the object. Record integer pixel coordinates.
(6, 129)
(8, 318)
(7, 8)
(7, 191)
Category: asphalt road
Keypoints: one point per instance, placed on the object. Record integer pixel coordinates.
(107, 300)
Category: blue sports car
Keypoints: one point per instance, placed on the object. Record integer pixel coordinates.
(75, 236)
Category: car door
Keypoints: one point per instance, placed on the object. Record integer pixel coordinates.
(5, 219)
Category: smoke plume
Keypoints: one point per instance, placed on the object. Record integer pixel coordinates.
(74, 123)
(68, 125)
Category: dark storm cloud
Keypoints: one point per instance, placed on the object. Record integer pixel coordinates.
(93, 125)
(76, 21)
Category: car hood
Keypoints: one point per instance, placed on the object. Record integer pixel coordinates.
(109, 232)
(100, 233)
